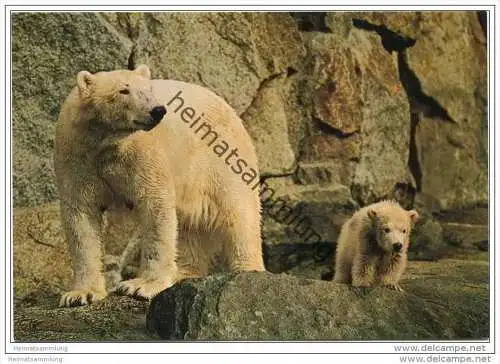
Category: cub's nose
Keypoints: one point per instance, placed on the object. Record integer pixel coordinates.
(397, 247)
(158, 113)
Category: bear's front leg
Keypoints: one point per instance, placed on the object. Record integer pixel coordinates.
(361, 272)
(158, 269)
(136, 171)
(389, 276)
(83, 234)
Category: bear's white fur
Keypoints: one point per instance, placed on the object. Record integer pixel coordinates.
(189, 203)
(367, 250)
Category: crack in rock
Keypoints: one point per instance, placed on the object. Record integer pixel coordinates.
(396, 42)
(329, 129)
(420, 103)
(483, 20)
(391, 41)
(113, 30)
(131, 64)
(265, 176)
(263, 84)
(311, 21)
(413, 161)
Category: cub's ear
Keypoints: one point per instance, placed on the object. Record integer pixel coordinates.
(83, 80)
(414, 216)
(144, 71)
(372, 214)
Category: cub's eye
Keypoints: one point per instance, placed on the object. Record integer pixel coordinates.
(404, 231)
(124, 91)
(387, 230)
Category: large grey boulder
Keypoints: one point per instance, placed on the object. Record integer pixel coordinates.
(439, 305)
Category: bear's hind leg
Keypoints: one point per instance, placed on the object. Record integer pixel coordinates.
(242, 244)
(192, 259)
(343, 258)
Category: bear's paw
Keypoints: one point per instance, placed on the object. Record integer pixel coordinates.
(81, 297)
(141, 288)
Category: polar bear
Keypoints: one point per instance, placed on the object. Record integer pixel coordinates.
(178, 157)
(372, 245)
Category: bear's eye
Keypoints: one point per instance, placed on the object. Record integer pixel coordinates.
(387, 230)
(124, 91)
(404, 231)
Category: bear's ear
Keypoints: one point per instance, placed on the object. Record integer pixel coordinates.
(372, 214)
(83, 80)
(144, 71)
(414, 216)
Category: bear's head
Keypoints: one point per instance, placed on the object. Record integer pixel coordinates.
(120, 100)
(392, 226)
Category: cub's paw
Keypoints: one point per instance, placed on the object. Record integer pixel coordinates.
(141, 288)
(394, 286)
(361, 289)
(81, 297)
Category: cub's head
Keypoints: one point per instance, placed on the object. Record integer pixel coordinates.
(392, 226)
(120, 100)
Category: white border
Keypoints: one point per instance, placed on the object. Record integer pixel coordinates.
(235, 347)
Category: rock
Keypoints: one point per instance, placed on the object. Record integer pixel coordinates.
(385, 128)
(324, 173)
(450, 44)
(439, 305)
(452, 127)
(467, 236)
(267, 123)
(303, 214)
(450, 123)
(360, 112)
(426, 242)
(338, 99)
(299, 259)
(38, 244)
(217, 50)
(466, 183)
(48, 50)
(404, 23)
(113, 319)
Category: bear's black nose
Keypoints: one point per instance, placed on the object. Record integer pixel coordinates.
(158, 113)
(397, 247)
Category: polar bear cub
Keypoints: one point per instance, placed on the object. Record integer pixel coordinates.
(372, 245)
(160, 148)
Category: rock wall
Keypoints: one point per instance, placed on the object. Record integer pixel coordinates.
(344, 108)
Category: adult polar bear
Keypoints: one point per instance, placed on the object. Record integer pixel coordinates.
(112, 150)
